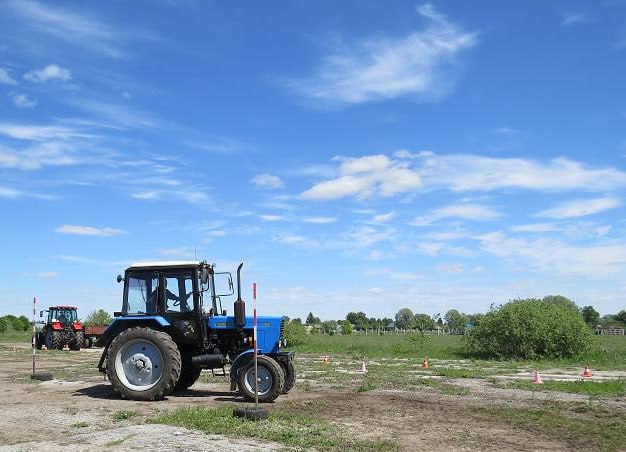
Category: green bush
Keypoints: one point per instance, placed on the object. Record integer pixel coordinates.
(530, 329)
(295, 333)
(3, 325)
(99, 317)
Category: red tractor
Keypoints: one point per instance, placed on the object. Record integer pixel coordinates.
(62, 328)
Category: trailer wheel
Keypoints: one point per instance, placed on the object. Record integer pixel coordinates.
(143, 364)
(78, 342)
(290, 375)
(189, 374)
(54, 340)
(270, 377)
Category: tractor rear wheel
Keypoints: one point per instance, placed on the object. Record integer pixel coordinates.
(290, 375)
(189, 374)
(143, 364)
(78, 342)
(54, 340)
(271, 379)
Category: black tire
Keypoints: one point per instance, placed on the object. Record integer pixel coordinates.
(290, 375)
(143, 364)
(271, 375)
(78, 342)
(54, 340)
(189, 374)
(252, 414)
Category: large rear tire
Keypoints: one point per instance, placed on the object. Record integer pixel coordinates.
(143, 364)
(54, 340)
(290, 375)
(189, 374)
(78, 342)
(270, 376)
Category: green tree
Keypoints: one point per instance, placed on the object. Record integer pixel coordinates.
(329, 327)
(346, 327)
(404, 319)
(455, 320)
(99, 317)
(4, 325)
(423, 322)
(590, 316)
(621, 316)
(24, 323)
(560, 300)
(295, 333)
(358, 319)
(530, 329)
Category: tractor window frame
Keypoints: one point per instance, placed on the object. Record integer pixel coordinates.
(151, 305)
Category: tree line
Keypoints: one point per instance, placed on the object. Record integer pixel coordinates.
(452, 321)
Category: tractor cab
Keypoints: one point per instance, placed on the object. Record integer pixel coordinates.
(65, 316)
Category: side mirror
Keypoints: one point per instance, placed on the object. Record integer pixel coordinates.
(119, 278)
(204, 276)
(40, 313)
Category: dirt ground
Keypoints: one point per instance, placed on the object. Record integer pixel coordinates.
(79, 409)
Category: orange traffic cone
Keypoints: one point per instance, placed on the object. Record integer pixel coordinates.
(363, 368)
(326, 359)
(425, 363)
(537, 379)
(587, 372)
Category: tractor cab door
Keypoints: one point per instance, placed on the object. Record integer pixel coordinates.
(179, 303)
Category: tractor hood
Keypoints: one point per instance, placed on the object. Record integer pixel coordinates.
(269, 329)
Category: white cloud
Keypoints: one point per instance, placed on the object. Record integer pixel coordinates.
(535, 227)
(267, 181)
(557, 257)
(183, 252)
(71, 27)
(365, 176)
(89, 230)
(420, 64)
(40, 133)
(50, 72)
(11, 193)
(21, 100)
(451, 268)
(474, 212)
(367, 236)
(5, 78)
(573, 19)
(464, 172)
(384, 217)
(47, 274)
(272, 218)
(288, 239)
(319, 220)
(581, 208)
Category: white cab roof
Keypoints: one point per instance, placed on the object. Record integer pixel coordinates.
(165, 264)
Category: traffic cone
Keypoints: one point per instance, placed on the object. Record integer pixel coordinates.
(363, 368)
(587, 372)
(537, 379)
(44, 348)
(14, 349)
(326, 359)
(66, 348)
(425, 363)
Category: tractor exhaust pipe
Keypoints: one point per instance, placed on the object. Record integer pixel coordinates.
(240, 306)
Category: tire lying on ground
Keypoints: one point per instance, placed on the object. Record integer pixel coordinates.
(143, 364)
(271, 379)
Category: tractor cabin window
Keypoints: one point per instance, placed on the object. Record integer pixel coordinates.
(179, 293)
(143, 294)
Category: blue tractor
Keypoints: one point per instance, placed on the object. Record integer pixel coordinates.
(172, 326)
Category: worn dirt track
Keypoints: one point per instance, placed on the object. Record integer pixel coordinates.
(80, 412)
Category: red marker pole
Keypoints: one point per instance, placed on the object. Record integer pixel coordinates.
(256, 376)
(34, 332)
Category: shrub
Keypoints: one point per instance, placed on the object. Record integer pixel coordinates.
(529, 329)
(99, 317)
(3, 325)
(295, 333)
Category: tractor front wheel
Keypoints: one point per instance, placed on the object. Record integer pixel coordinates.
(143, 364)
(271, 379)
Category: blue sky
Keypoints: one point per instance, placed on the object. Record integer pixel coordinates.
(357, 156)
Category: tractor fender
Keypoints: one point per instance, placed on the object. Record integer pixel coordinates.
(122, 323)
(239, 361)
